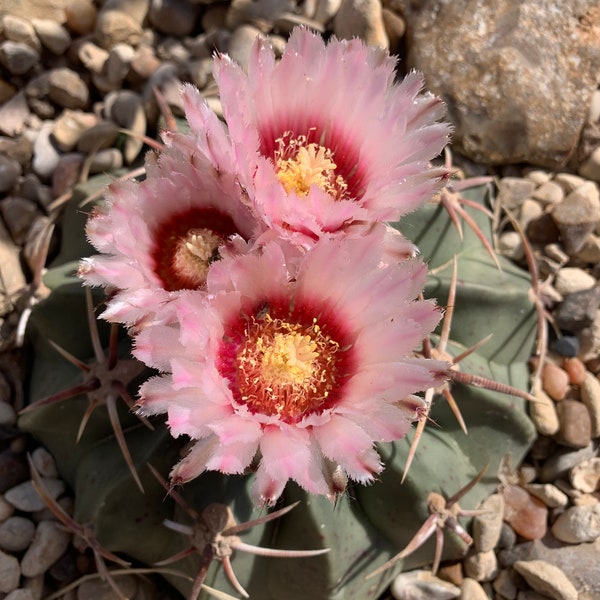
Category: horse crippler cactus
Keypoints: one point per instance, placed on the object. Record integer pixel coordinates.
(277, 319)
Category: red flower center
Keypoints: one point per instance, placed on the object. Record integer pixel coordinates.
(187, 244)
(285, 363)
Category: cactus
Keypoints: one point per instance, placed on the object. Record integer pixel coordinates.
(369, 524)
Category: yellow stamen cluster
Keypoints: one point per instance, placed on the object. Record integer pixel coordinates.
(195, 253)
(301, 165)
(286, 368)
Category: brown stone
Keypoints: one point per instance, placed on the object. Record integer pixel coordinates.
(527, 515)
(517, 76)
(575, 424)
(575, 369)
(555, 381)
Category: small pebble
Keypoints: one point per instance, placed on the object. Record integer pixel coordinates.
(44, 462)
(543, 230)
(578, 524)
(481, 566)
(362, 19)
(531, 210)
(505, 584)
(487, 526)
(10, 573)
(508, 537)
(590, 167)
(49, 543)
(45, 155)
(546, 579)
(585, 476)
(422, 585)
(80, 16)
(560, 463)
(527, 515)
(25, 498)
(590, 253)
(575, 424)
(575, 370)
(16, 534)
(127, 110)
(18, 58)
(549, 494)
(566, 345)
(549, 193)
(543, 414)
(590, 396)
(577, 216)
(578, 309)
(472, 590)
(510, 245)
(555, 381)
(573, 279)
(568, 181)
(52, 35)
(512, 191)
(538, 176)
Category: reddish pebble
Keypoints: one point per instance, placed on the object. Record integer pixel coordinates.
(527, 515)
(575, 370)
(555, 381)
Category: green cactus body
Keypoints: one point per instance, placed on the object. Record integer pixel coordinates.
(368, 524)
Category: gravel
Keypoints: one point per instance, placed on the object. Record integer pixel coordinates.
(71, 80)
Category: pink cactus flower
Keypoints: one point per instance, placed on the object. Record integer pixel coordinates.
(159, 236)
(324, 138)
(300, 361)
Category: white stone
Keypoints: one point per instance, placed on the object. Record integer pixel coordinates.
(44, 462)
(49, 544)
(573, 279)
(549, 193)
(549, 494)
(481, 566)
(52, 35)
(543, 414)
(93, 57)
(510, 245)
(10, 573)
(590, 396)
(578, 524)
(422, 585)
(487, 526)
(16, 534)
(585, 476)
(24, 496)
(472, 590)
(546, 579)
(20, 30)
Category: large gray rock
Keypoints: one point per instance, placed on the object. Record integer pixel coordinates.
(517, 76)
